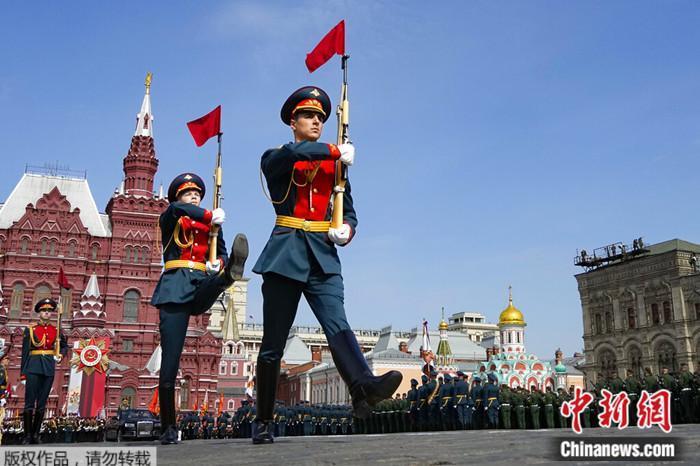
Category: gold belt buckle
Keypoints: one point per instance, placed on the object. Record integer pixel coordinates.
(190, 264)
(306, 225)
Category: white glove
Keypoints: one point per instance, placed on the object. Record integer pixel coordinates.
(340, 236)
(58, 358)
(213, 268)
(3, 402)
(218, 216)
(347, 154)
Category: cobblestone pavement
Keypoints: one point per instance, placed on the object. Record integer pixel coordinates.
(430, 448)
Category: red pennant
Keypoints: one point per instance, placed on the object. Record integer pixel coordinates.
(154, 405)
(63, 280)
(332, 43)
(206, 127)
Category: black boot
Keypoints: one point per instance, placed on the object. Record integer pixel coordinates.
(366, 389)
(266, 373)
(27, 419)
(166, 398)
(36, 426)
(236, 261)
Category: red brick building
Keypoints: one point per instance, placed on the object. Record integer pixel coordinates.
(113, 260)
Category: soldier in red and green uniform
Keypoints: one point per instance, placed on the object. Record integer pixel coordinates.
(38, 367)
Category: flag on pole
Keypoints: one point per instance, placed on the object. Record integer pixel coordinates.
(332, 43)
(154, 405)
(153, 364)
(206, 127)
(62, 280)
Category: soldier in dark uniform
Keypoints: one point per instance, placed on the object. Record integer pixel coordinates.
(461, 401)
(477, 403)
(39, 366)
(616, 384)
(190, 284)
(423, 407)
(685, 382)
(413, 398)
(633, 388)
(518, 400)
(492, 403)
(446, 406)
(301, 257)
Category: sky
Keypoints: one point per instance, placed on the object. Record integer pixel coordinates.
(493, 139)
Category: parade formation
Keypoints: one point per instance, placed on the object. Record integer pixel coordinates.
(307, 183)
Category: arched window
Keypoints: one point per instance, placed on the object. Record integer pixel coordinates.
(145, 255)
(131, 306)
(94, 250)
(655, 317)
(668, 315)
(44, 246)
(230, 348)
(53, 247)
(17, 300)
(598, 324)
(71, 248)
(631, 318)
(66, 301)
(127, 253)
(40, 292)
(231, 405)
(185, 394)
(222, 368)
(666, 357)
(609, 325)
(24, 245)
(234, 368)
(2, 241)
(608, 363)
(135, 257)
(129, 394)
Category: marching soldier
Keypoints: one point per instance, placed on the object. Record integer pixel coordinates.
(616, 384)
(534, 400)
(549, 401)
(519, 403)
(301, 256)
(505, 405)
(562, 397)
(39, 366)
(651, 382)
(446, 406)
(462, 402)
(633, 388)
(477, 403)
(190, 283)
(434, 401)
(685, 381)
(413, 398)
(491, 395)
(423, 394)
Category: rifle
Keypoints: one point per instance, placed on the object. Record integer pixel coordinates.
(341, 170)
(214, 232)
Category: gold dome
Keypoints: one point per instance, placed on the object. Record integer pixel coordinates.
(443, 325)
(511, 315)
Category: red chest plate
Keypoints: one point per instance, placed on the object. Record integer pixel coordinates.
(314, 195)
(199, 233)
(47, 333)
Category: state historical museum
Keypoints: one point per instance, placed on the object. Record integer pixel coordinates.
(113, 261)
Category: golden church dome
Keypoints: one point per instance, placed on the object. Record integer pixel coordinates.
(443, 325)
(511, 315)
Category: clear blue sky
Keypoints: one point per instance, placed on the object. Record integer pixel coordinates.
(493, 138)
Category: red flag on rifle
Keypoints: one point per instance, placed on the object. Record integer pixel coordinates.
(206, 127)
(332, 43)
(62, 280)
